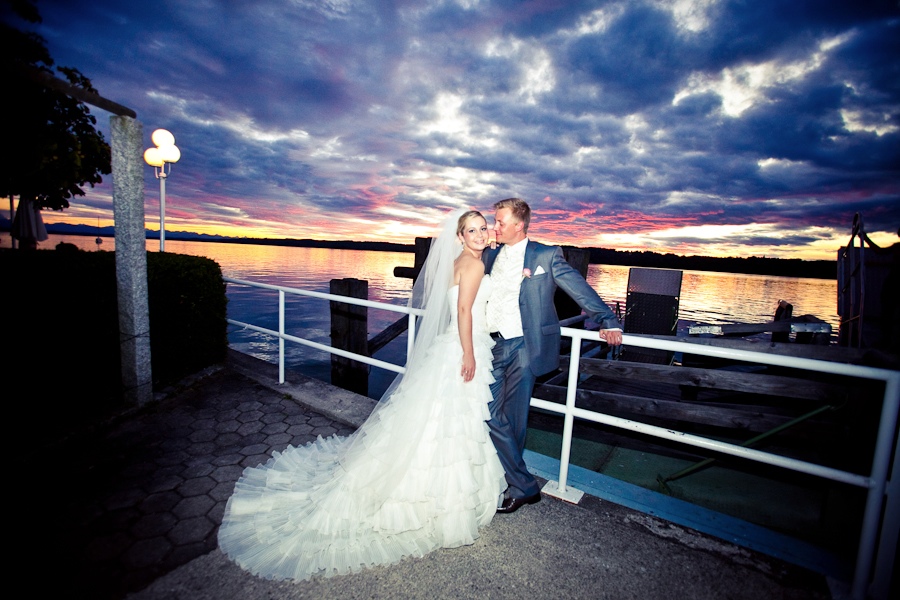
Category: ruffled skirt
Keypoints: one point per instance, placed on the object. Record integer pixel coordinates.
(420, 474)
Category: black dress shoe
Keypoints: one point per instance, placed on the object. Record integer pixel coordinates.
(510, 505)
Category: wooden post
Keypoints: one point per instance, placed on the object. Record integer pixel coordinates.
(349, 331)
(423, 245)
(784, 311)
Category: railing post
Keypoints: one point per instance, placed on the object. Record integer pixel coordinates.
(874, 518)
(349, 331)
(558, 489)
(281, 336)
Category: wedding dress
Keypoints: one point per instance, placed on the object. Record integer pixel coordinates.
(420, 474)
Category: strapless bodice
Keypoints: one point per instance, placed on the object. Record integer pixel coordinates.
(479, 308)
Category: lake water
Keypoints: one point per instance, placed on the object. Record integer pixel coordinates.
(706, 297)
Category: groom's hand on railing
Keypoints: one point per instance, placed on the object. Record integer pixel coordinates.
(613, 337)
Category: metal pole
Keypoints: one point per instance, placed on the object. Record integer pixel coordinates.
(872, 527)
(568, 418)
(280, 336)
(410, 336)
(162, 208)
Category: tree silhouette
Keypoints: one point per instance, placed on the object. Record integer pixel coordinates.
(51, 148)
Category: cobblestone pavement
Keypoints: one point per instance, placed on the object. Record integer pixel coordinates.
(145, 494)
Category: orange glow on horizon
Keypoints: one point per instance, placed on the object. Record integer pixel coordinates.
(681, 238)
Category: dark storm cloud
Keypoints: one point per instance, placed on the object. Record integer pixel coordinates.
(637, 62)
(774, 122)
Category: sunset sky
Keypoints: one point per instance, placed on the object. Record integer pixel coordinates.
(718, 128)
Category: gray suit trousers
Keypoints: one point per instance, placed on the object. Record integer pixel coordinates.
(512, 389)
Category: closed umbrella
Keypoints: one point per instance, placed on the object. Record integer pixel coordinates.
(28, 225)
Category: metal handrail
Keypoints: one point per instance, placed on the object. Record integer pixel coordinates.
(282, 336)
(879, 533)
(876, 482)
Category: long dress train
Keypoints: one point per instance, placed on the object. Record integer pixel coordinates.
(420, 474)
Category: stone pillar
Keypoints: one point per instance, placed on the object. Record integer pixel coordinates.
(131, 258)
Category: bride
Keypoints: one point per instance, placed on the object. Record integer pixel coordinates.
(420, 474)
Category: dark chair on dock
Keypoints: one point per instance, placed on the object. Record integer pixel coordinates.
(651, 307)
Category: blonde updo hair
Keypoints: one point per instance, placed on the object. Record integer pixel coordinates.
(464, 218)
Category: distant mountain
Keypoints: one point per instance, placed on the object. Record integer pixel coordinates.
(66, 229)
(754, 265)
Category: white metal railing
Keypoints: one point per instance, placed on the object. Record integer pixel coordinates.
(878, 537)
(881, 518)
(282, 335)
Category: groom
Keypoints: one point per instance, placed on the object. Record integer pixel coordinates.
(525, 326)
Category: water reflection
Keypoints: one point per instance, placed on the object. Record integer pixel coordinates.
(719, 298)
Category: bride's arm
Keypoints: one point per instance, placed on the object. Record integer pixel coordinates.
(471, 272)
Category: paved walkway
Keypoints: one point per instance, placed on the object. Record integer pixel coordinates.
(132, 510)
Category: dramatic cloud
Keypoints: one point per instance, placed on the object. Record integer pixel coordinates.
(704, 127)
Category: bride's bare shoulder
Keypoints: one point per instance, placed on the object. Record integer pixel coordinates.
(468, 267)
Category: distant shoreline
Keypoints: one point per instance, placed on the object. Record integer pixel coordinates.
(779, 267)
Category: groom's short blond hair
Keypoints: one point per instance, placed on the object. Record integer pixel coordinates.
(519, 209)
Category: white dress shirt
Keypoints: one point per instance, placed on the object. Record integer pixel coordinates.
(503, 312)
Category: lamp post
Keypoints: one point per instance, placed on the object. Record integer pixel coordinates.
(164, 152)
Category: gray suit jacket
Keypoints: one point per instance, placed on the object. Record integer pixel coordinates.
(540, 323)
